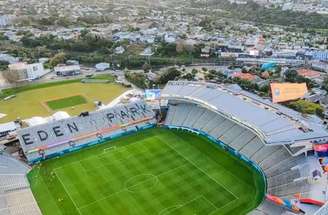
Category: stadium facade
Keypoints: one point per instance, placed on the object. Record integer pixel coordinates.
(275, 140)
(59, 137)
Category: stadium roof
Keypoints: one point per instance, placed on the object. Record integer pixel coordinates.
(275, 124)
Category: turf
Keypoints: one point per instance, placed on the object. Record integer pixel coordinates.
(157, 171)
(31, 102)
(66, 102)
(107, 77)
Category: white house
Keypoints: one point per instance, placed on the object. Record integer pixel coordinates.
(170, 37)
(28, 72)
(102, 66)
(147, 52)
(69, 70)
(119, 50)
(8, 58)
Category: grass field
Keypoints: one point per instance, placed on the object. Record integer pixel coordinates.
(66, 102)
(32, 102)
(157, 171)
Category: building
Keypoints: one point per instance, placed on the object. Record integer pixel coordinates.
(65, 70)
(28, 72)
(8, 58)
(119, 50)
(205, 52)
(147, 52)
(308, 73)
(102, 66)
(6, 128)
(282, 92)
(5, 20)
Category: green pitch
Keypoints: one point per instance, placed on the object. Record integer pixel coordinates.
(66, 102)
(157, 171)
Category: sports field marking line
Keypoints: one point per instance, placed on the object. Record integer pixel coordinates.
(140, 182)
(77, 208)
(108, 149)
(206, 199)
(90, 157)
(167, 210)
(157, 176)
(187, 202)
(202, 171)
(124, 189)
(102, 163)
(163, 212)
(120, 148)
(227, 170)
(223, 206)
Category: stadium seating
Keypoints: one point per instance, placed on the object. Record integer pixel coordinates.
(323, 210)
(282, 179)
(15, 194)
(268, 208)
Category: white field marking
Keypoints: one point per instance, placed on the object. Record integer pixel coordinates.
(109, 149)
(101, 165)
(167, 210)
(223, 206)
(228, 172)
(202, 171)
(124, 189)
(157, 176)
(77, 208)
(141, 182)
(210, 202)
(120, 148)
(181, 205)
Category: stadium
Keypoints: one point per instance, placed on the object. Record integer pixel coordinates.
(199, 148)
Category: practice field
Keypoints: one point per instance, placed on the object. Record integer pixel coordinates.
(33, 102)
(66, 102)
(157, 171)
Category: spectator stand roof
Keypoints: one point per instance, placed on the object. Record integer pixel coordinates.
(274, 124)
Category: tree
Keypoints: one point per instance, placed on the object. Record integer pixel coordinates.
(138, 79)
(188, 76)
(168, 75)
(3, 37)
(293, 77)
(306, 107)
(146, 67)
(325, 83)
(210, 75)
(57, 59)
(11, 77)
(194, 71)
(3, 65)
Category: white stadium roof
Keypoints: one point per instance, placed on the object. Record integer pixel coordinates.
(275, 124)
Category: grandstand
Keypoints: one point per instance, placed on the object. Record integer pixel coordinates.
(62, 136)
(16, 197)
(275, 138)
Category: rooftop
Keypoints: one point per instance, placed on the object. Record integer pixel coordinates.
(275, 124)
